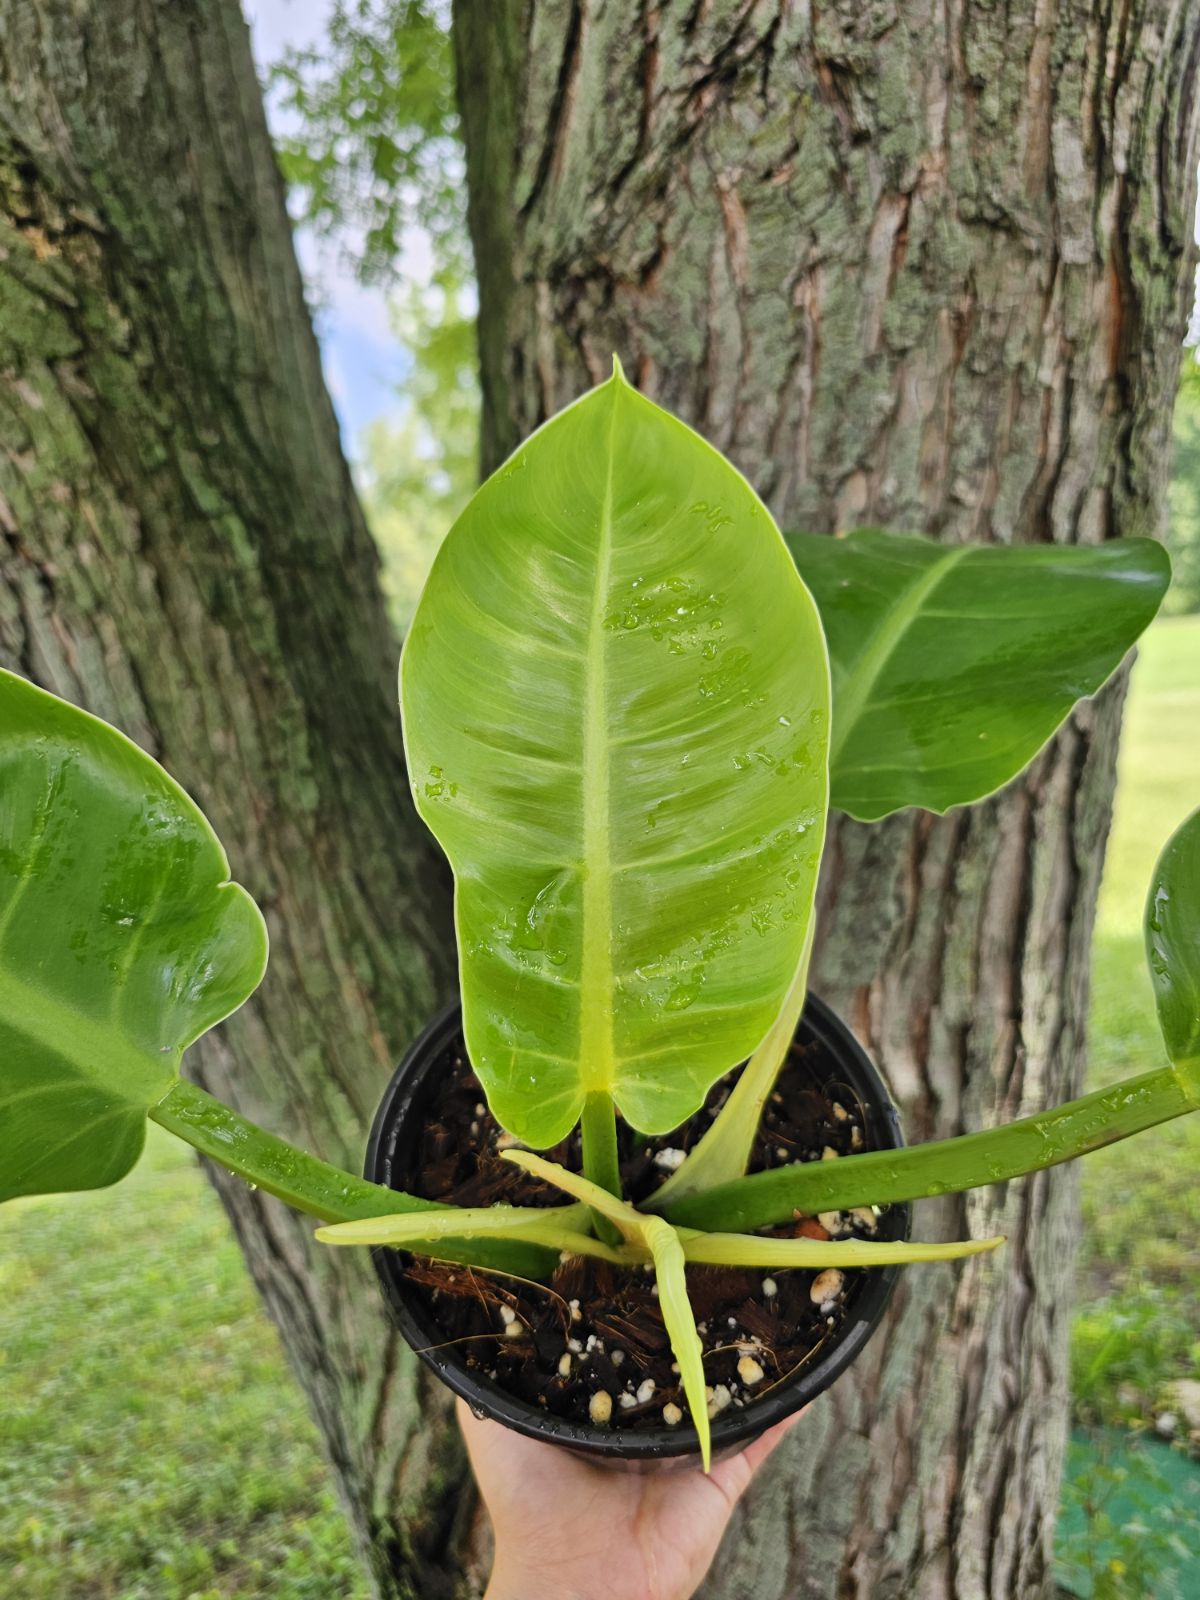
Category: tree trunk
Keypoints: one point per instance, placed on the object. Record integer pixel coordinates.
(182, 553)
(925, 266)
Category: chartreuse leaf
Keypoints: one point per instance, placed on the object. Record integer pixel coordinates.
(647, 1236)
(121, 941)
(671, 1249)
(996, 1155)
(952, 665)
(615, 696)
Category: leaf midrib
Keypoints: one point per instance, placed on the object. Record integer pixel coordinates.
(856, 687)
(597, 1066)
(101, 1054)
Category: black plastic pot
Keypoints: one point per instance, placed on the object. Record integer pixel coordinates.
(390, 1155)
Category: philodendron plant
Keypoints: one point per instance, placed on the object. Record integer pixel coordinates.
(628, 705)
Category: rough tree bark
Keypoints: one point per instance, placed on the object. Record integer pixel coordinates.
(182, 553)
(926, 266)
(899, 275)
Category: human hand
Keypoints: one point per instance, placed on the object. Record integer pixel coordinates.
(567, 1530)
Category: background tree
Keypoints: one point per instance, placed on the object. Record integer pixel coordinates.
(182, 553)
(926, 267)
(896, 272)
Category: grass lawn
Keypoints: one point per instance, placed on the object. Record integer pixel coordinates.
(1131, 1515)
(1138, 1324)
(153, 1446)
(152, 1443)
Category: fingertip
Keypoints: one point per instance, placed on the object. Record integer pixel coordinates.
(767, 1443)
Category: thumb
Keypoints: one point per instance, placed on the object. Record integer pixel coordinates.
(735, 1476)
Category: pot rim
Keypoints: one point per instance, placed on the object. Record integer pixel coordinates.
(403, 1097)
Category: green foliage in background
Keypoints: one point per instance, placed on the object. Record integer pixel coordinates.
(377, 151)
(376, 163)
(419, 470)
(1129, 1521)
(1184, 493)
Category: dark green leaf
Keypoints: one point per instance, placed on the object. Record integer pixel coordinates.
(121, 942)
(953, 664)
(1173, 947)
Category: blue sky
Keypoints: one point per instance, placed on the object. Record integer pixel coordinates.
(364, 362)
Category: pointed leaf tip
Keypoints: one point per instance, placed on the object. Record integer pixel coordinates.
(618, 371)
(618, 528)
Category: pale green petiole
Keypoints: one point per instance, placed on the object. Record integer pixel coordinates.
(311, 1185)
(601, 1162)
(560, 1229)
(630, 1223)
(750, 1250)
(724, 1152)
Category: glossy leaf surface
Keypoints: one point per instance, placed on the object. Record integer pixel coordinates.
(1173, 948)
(615, 698)
(953, 665)
(997, 1155)
(121, 942)
(946, 1166)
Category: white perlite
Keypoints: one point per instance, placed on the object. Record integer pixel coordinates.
(718, 1399)
(600, 1407)
(826, 1286)
(749, 1371)
(672, 1415)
